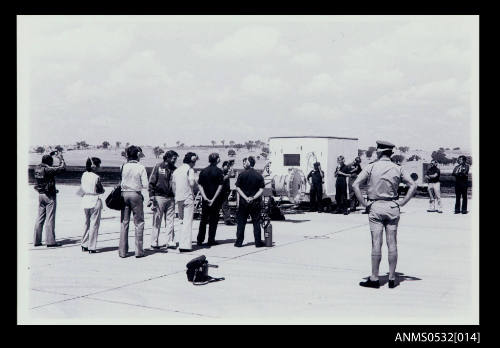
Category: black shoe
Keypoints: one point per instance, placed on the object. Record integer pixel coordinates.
(55, 245)
(260, 244)
(464, 212)
(457, 212)
(320, 211)
(346, 213)
(199, 243)
(85, 249)
(212, 243)
(139, 256)
(184, 250)
(39, 244)
(156, 247)
(392, 284)
(229, 223)
(92, 251)
(238, 245)
(370, 284)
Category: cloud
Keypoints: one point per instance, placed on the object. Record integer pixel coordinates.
(309, 59)
(261, 86)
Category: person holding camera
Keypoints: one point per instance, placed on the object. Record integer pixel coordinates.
(341, 173)
(461, 174)
(434, 187)
(184, 182)
(316, 179)
(134, 179)
(161, 196)
(45, 174)
(90, 189)
(250, 186)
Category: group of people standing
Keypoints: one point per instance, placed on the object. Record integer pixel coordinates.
(344, 194)
(169, 187)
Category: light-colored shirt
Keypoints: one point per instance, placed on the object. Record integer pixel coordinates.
(383, 178)
(184, 180)
(134, 177)
(88, 186)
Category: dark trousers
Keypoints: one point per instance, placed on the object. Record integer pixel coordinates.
(209, 215)
(316, 197)
(461, 192)
(341, 195)
(253, 209)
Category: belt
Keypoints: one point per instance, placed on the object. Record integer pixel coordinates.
(382, 199)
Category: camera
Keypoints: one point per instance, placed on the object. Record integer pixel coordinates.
(54, 153)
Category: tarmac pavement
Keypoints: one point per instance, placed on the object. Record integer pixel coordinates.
(309, 276)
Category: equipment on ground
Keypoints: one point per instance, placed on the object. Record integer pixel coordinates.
(197, 271)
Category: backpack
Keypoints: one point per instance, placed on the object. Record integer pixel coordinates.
(197, 271)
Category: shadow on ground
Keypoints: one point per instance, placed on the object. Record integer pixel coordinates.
(400, 277)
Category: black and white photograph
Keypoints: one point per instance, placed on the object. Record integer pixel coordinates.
(248, 169)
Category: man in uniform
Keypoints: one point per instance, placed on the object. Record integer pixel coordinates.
(316, 180)
(210, 183)
(383, 178)
(432, 176)
(161, 195)
(46, 186)
(250, 185)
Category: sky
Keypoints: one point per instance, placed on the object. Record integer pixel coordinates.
(154, 80)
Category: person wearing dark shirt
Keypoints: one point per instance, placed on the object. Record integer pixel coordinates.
(434, 187)
(210, 182)
(341, 173)
(354, 170)
(161, 196)
(45, 174)
(461, 174)
(227, 169)
(316, 181)
(250, 185)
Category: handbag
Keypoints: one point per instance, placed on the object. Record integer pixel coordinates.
(115, 200)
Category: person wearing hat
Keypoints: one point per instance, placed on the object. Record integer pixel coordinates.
(45, 184)
(316, 179)
(382, 179)
(161, 196)
(341, 173)
(184, 182)
(432, 175)
(134, 180)
(461, 174)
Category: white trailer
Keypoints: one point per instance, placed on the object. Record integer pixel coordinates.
(300, 152)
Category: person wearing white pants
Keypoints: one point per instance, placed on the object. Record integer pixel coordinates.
(90, 189)
(184, 182)
(434, 187)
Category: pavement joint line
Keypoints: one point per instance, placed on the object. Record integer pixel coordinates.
(150, 307)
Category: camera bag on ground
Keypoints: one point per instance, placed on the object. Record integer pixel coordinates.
(197, 271)
(115, 200)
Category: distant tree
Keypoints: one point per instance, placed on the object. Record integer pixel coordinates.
(39, 149)
(231, 142)
(404, 148)
(222, 142)
(456, 148)
(127, 144)
(231, 153)
(105, 144)
(248, 145)
(447, 149)
(164, 145)
(59, 148)
(213, 143)
(414, 158)
(181, 145)
(265, 149)
(178, 143)
(441, 149)
(99, 146)
(397, 158)
(440, 157)
(117, 144)
(252, 144)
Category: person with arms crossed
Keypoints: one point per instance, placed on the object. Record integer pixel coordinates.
(161, 196)
(383, 178)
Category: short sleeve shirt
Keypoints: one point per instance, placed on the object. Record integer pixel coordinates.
(250, 182)
(383, 178)
(181, 178)
(432, 171)
(316, 178)
(210, 178)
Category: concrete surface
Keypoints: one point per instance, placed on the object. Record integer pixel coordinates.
(311, 275)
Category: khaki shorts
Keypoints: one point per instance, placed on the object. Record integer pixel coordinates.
(383, 213)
